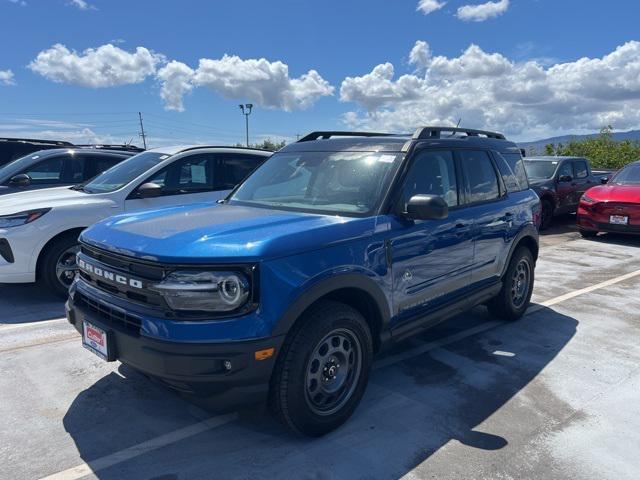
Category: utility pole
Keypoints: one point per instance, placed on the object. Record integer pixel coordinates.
(246, 111)
(142, 134)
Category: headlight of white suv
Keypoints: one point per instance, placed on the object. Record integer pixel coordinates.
(22, 218)
(206, 291)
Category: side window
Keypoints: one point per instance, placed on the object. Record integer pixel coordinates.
(565, 170)
(77, 165)
(192, 174)
(432, 173)
(48, 171)
(516, 163)
(581, 169)
(99, 164)
(236, 167)
(480, 176)
(508, 177)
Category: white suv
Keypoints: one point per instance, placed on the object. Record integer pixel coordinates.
(39, 229)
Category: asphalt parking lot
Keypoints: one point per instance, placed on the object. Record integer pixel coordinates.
(554, 395)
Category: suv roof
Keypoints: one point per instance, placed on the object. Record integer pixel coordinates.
(175, 149)
(373, 141)
(549, 158)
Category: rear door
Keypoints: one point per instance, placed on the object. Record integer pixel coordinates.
(565, 188)
(486, 201)
(431, 259)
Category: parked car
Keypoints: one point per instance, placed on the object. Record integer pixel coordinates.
(58, 167)
(614, 207)
(39, 229)
(338, 245)
(12, 148)
(560, 182)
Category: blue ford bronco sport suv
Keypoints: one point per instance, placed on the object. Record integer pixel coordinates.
(337, 246)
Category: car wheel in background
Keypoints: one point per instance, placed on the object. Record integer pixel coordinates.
(58, 266)
(546, 214)
(323, 369)
(517, 286)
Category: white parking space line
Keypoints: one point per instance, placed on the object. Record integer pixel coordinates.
(85, 469)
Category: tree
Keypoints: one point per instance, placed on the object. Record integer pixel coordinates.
(602, 151)
(266, 144)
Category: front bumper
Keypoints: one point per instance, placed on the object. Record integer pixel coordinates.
(191, 367)
(18, 254)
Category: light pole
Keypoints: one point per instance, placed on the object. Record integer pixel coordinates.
(246, 111)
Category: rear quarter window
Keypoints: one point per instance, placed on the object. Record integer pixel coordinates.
(515, 163)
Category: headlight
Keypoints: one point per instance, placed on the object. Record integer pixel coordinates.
(22, 218)
(208, 291)
(587, 200)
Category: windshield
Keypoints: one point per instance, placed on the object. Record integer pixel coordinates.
(629, 175)
(327, 182)
(117, 177)
(539, 169)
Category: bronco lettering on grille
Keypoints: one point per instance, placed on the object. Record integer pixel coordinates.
(112, 276)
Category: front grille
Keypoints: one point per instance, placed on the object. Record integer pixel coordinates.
(108, 313)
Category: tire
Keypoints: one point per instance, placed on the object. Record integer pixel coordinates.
(60, 254)
(546, 215)
(301, 397)
(588, 233)
(517, 286)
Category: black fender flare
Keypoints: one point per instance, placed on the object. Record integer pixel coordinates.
(325, 287)
(528, 231)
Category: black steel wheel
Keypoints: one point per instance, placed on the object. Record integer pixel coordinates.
(517, 286)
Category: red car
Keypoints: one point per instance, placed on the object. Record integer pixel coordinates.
(614, 207)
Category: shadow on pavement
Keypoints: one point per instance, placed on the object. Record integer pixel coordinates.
(411, 410)
(28, 303)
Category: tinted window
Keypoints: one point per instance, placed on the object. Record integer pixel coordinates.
(432, 173)
(125, 172)
(101, 164)
(516, 163)
(508, 177)
(480, 176)
(237, 167)
(77, 167)
(188, 175)
(581, 169)
(565, 170)
(48, 171)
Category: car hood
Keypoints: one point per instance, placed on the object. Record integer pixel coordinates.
(206, 233)
(615, 193)
(45, 198)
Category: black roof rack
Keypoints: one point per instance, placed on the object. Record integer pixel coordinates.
(35, 140)
(328, 134)
(424, 133)
(103, 146)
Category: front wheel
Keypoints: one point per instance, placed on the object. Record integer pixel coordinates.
(517, 286)
(58, 266)
(323, 369)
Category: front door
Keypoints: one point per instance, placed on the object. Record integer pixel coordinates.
(431, 259)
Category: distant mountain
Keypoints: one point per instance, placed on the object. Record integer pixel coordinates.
(539, 145)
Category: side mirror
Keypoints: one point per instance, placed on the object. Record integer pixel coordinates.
(427, 207)
(20, 180)
(149, 190)
(604, 180)
(565, 178)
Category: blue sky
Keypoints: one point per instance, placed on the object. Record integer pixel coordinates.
(349, 65)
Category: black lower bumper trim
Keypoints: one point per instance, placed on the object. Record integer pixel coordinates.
(228, 371)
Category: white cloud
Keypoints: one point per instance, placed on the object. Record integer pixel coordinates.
(483, 11)
(105, 66)
(420, 54)
(22, 3)
(82, 5)
(488, 90)
(7, 78)
(430, 6)
(260, 81)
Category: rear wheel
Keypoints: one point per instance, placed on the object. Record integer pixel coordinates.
(58, 265)
(517, 286)
(323, 369)
(546, 215)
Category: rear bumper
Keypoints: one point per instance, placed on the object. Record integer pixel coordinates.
(590, 224)
(192, 368)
